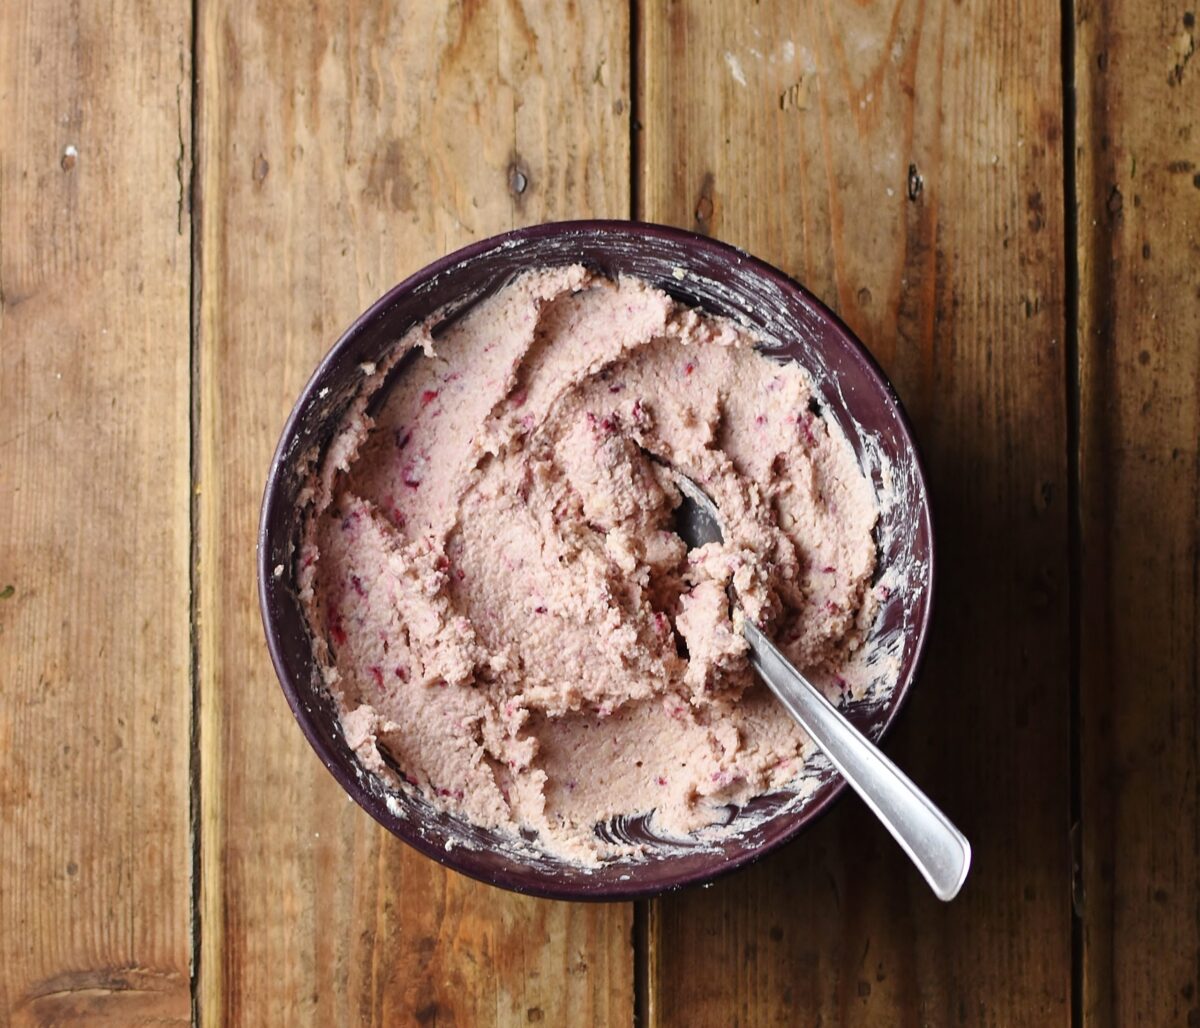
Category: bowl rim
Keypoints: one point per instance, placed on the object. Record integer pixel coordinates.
(533, 883)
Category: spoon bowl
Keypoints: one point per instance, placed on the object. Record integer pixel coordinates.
(938, 849)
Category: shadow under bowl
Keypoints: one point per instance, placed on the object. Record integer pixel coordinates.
(698, 271)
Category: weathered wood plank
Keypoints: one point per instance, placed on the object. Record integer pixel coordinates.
(340, 150)
(904, 159)
(1138, 81)
(94, 269)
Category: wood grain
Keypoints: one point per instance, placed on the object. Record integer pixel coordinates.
(1138, 81)
(94, 644)
(339, 151)
(904, 159)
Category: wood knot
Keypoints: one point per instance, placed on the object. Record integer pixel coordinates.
(107, 995)
(1037, 211)
(915, 183)
(428, 1014)
(1116, 203)
(1184, 47)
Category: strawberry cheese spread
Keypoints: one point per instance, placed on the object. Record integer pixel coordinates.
(500, 605)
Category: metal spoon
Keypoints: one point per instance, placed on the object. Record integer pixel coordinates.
(939, 850)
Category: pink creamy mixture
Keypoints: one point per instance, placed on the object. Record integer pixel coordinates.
(499, 601)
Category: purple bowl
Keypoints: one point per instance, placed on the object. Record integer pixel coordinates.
(720, 279)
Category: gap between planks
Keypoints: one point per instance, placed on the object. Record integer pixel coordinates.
(195, 838)
(1074, 513)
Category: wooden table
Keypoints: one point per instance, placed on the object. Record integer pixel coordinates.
(196, 196)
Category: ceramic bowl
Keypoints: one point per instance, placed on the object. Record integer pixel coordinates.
(698, 271)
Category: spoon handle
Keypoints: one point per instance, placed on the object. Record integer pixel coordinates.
(940, 851)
